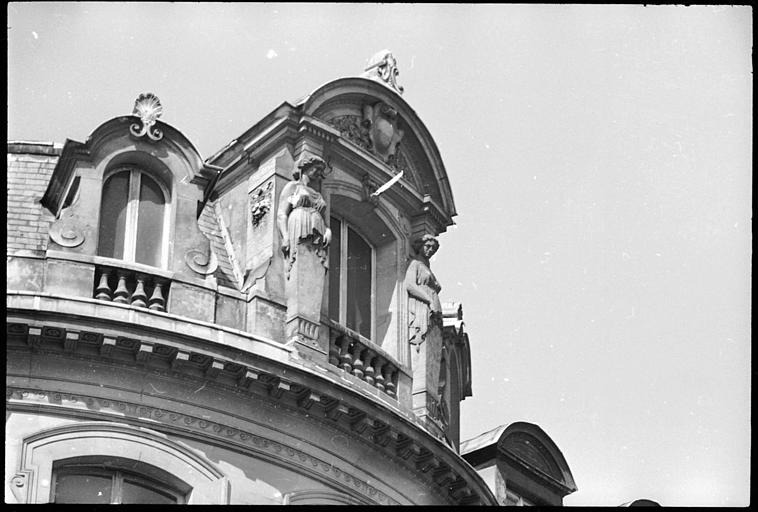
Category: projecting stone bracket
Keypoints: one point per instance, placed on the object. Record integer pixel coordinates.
(334, 409)
(69, 344)
(19, 486)
(403, 446)
(109, 343)
(144, 352)
(247, 377)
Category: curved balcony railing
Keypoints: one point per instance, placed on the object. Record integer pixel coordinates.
(361, 358)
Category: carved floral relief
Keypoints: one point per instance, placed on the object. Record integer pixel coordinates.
(260, 203)
(352, 128)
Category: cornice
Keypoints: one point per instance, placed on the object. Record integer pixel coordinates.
(327, 400)
(202, 429)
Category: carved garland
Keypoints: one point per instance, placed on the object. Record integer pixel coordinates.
(260, 204)
(352, 128)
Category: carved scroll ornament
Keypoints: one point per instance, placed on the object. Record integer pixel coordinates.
(383, 66)
(67, 232)
(200, 262)
(148, 108)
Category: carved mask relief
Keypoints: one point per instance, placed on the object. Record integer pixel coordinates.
(384, 132)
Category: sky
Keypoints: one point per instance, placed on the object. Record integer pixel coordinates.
(601, 164)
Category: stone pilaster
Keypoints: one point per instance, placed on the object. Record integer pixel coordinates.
(304, 290)
(425, 362)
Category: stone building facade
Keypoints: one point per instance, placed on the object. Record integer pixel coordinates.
(258, 327)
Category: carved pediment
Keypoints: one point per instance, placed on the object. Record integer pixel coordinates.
(376, 128)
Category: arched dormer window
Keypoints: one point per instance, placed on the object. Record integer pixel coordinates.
(133, 218)
(351, 279)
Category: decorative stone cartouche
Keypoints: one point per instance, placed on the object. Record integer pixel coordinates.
(383, 67)
(148, 108)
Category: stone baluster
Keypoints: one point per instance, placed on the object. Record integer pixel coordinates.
(334, 349)
(346, 359)
(157, 302)
(139, 297)
(103, 289)
(378, 369)
(121, 295)
(389, 385)
(368, 371)
(357, 361)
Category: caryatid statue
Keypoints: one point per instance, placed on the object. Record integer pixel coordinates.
(425, 331)
(305, 238)
(424, 307)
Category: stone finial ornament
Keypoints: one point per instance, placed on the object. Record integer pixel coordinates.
(383, 66)
(148, 108)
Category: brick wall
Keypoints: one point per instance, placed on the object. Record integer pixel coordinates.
(30, 166)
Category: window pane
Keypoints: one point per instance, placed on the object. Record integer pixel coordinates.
(149, 223)
(359, 275)
(113, 215)
(82, 489)
(335, 250)
(140, 492)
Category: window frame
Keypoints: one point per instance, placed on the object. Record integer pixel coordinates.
(132, 213)
(342, 279)
(40, 452)
(101, 466)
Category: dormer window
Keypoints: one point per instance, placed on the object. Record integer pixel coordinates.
(133, 216)
(351, 279)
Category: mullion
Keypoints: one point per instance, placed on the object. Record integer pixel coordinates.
(116, 488)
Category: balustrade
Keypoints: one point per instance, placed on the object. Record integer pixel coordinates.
(361, 358)
(131, 287)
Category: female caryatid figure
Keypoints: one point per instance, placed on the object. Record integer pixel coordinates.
(305, 237)
(424, 308)
(301, 213)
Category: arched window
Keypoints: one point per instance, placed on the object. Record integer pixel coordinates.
(110, 462)
(132, 218)
(115, 480)
(351, 279)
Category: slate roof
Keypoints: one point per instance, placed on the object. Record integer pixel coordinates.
(213, 228)
(482, 440)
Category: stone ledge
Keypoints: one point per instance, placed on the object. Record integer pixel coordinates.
(312, 391)
(166, 322)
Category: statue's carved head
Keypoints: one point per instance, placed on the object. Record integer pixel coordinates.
(426, 246)
(310, 163)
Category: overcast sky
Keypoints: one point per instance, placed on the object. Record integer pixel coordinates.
(600, 159)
